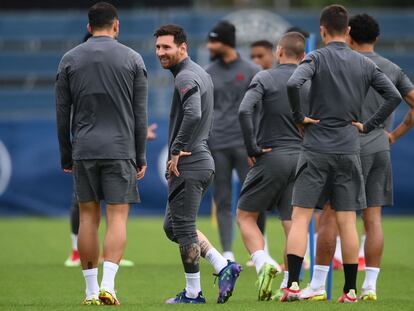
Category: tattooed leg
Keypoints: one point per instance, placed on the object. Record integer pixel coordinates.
(190, 256)
(205, 244)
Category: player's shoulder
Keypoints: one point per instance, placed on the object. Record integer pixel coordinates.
(212, 66)
(130, 52)
(249, 65)
(384, 63)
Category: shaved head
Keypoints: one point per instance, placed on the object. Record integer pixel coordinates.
(294, 44)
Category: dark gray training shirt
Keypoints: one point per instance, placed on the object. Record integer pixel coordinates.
(377, 140)
(340, 80)
(105, 85)
(230, 81)
(191, 116)
(276, 128)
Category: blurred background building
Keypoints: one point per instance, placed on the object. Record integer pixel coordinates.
(35, 34)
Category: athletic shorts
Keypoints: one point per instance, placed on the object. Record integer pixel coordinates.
(112, 181)
(185, 194)
(377, 171)
(324, 177)
(269, 184)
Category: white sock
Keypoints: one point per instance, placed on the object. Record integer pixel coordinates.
(285, 279)
(108, 279)
(362, 247)
(338, 252)
(91, 280)
(371, 276)
(74, 238)
(319, 277)
(266, 248)
(216, 260)
(193, 286)
(260, 258)
(229, 256)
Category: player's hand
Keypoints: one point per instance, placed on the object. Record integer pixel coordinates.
(306, 121)
(173, 163)
(252, 160)
(391, 138)
(359, 126)
(67, 170)
(141, 172)
(151, 135)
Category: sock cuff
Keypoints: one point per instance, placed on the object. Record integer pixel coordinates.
(110, 265)
(321, 268)
(90, 272)
(294, 256)
(375, 269)
(192, 275)
(257, 253)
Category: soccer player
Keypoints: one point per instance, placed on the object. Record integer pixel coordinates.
(231, 75)
(376, 165)
(261, 53)
(107, 94)
(190, 167)
(275, 154)
(74, 259)
(329, 167)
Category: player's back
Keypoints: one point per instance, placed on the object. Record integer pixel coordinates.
(276, 126)
(101, 75)
(339, 85)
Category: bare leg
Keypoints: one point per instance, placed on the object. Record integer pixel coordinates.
(374, 243)
(88, 240)
(115, 236)
(298, 235)
(287, 225)
(251, 234)
(325, 247)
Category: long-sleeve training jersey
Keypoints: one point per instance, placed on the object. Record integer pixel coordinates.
(276, 127)
(102, 85)
(340, 79)
(191, 116)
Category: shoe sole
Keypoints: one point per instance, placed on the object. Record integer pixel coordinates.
(227, 295)
(265, 289)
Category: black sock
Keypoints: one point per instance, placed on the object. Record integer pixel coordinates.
(350, 271)
(294, 266)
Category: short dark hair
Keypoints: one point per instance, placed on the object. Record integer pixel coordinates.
(335, 19)
(102, 15)
(262, 43)
(364, 28)
(298, 29)
(172, 30)
(294, 44)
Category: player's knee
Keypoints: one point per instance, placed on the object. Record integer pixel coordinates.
(169, 232)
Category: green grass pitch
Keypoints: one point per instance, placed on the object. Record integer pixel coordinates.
(32, 275)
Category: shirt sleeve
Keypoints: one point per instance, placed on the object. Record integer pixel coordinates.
(304, 72)
(190, 97)
(63, 100)
(404, 84)
(253, 96)
(388, 91)
(139, 106)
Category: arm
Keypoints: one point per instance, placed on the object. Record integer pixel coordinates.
(406, 89)
(191, 104)
(253, 95)
(139, 106)
(63, 110)
(303, 73)
(408, 121)
(392, 98)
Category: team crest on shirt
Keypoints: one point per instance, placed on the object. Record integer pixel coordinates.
(240, 76)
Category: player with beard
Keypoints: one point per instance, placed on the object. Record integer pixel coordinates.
(190, 167)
